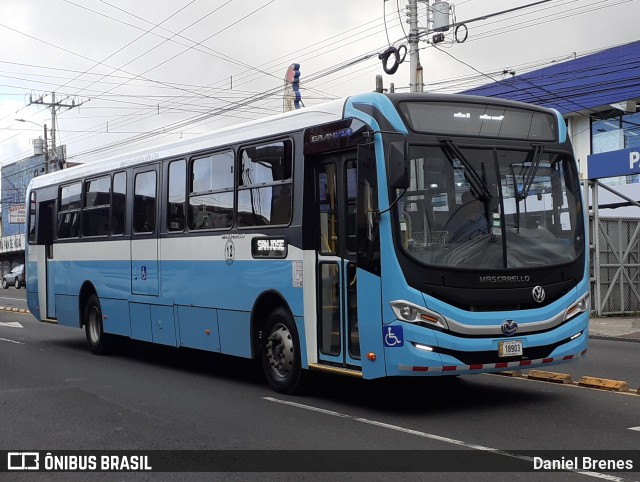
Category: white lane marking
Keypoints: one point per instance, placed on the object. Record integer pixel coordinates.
(637, 429)
(12, 341)
(308, 407)
(9, 298)
(431, 436)
(11, 324)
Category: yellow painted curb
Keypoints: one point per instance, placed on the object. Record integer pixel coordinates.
(510, 373)
(13, 309)
(604, 384)
(550, 376)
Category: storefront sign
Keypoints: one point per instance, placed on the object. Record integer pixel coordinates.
(17, 214)
(9, 244)
(614, 163)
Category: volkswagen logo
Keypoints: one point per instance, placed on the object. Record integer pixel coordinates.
(538, 294)
(509, 327)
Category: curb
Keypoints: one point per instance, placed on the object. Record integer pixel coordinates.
(551, 377)
(594, 383)
(510, 373)
(604, 384)
(14, 310)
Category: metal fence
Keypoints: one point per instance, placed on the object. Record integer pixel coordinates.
(614, 249)
(615, 265)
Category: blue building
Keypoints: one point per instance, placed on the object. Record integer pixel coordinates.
(14, 182)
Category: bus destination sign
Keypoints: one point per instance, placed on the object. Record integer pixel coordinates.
(271, 248)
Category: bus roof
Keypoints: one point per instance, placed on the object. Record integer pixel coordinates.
(256, 129)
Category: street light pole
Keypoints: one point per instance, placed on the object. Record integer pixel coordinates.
(46, 145)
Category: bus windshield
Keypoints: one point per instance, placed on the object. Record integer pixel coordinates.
(490, 208)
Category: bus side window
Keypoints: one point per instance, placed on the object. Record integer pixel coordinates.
(68, 225)
(45, 220)
(32, 217)
(264, 184)
(118, 202)
(70, 202)
(281, 204)
(144, 202)
(97, 200)
(211, 194)
(177, 195)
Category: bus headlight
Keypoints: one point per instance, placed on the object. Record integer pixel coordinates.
(418, 315)
(576, 308)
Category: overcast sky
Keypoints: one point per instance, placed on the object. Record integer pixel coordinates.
(140, 66)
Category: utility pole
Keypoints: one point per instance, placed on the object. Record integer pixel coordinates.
(414, 54)
(46, 151)
(438, 21)
(54, 107)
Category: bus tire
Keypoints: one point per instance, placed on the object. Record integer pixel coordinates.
(280, 352)
(99, 341)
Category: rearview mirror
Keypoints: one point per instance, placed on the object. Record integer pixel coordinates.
(399, 165)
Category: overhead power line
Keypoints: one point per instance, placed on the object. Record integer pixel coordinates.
(322, 77)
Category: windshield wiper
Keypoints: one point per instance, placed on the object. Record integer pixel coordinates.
(477, 184)
(530, 173)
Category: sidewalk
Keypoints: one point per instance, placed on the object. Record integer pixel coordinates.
(619, 328)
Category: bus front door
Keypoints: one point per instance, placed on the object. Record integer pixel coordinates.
(46, 275)
(151, 317)
(144, 239)
(336, 189)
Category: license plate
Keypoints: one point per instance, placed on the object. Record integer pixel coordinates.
(510, 348)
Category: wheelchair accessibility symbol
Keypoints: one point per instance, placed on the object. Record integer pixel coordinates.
(393, 336)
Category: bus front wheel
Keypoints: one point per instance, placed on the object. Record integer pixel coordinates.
(280, 352)
(97, 339)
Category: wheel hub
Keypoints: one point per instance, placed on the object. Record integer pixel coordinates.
(280, 350)
(94, 327)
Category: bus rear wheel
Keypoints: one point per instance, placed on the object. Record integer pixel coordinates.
(280, 352)
(99, 342)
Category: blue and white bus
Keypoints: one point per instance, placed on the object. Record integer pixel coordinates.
(381, 235)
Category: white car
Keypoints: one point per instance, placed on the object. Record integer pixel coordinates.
(15, 277)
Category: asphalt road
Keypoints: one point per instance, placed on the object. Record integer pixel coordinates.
(13, 298)
(55, 395)
(615, 360)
